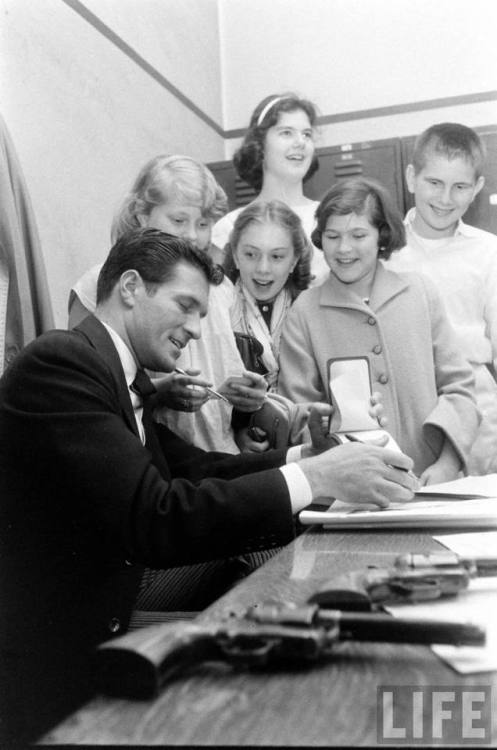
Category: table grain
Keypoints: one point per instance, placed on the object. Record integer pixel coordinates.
(331, 704)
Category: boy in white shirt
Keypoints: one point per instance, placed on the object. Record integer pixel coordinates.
(445, 176)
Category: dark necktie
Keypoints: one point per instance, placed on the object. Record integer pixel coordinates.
(142, 385)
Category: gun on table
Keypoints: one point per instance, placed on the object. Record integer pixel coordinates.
(138, 664)
(413, 577)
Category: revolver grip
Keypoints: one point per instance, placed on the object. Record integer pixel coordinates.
(347, 593)
(137, 664)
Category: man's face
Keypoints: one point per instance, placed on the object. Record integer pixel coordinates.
(443, 190)
(161, 323)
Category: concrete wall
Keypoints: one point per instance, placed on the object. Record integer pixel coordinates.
(354, 56)
(90, 89)
(84, 116)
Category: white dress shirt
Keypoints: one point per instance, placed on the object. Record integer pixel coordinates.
(298, 486)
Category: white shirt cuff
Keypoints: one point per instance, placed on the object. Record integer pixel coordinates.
(299, 488)
(294, 454)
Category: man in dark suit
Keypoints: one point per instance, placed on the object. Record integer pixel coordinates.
(92, 490)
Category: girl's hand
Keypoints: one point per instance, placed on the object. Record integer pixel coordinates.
(376, 409)
(246, 393)
(247, 444)
(182, 392)
(445, 468)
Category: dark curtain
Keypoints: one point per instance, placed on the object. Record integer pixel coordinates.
(25, 307)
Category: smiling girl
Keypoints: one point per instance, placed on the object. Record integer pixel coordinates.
(268, 260)
(276, 157)
(396, 320)
(179, 195)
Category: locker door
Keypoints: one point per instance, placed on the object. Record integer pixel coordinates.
(225, 174)
(380, 160)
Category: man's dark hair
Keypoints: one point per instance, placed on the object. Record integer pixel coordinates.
(154, 255)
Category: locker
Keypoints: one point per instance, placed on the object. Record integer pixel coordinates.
(380, 160)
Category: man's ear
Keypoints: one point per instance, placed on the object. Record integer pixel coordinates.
(129, 285)
(410, 177)
(480, 182)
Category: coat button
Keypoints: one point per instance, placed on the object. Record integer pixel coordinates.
(114, 625)
(372, 321)
(377, 349)
(383, 379)
(10, 354)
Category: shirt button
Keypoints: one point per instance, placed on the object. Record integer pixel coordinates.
(383, 379)
(372, 321)
(114, 625)
(377, 349)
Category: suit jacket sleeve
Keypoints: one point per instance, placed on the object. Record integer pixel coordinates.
(65, 409)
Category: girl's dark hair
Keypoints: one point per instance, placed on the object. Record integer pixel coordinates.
(360, 195)
(248, 159)
(274, 212)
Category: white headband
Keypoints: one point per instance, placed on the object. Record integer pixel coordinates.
(268, 106)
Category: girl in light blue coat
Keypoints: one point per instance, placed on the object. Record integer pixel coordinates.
(395, 320)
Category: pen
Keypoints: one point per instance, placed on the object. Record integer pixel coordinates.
(354, 439)
(209, 390)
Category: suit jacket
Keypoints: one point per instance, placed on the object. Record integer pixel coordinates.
(85, 505)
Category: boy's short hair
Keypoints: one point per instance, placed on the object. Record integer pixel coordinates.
(248, 159)
(361, 195)
(165, 178)
(154, 255)
(453, 140)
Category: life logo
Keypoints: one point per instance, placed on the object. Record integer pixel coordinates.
(428, 714)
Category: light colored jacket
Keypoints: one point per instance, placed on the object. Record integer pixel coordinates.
(425, 384)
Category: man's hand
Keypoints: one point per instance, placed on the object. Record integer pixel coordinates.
(184, 392)
(358, 473)
(246, 393)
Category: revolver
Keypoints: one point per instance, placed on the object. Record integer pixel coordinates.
(413, 577)
(139, 663)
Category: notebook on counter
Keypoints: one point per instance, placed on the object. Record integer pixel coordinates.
(467, 503)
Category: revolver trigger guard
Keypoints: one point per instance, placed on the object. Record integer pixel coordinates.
(255, 654)
(416, 591)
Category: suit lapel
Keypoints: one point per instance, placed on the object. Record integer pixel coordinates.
(95, 332)
(99, 338)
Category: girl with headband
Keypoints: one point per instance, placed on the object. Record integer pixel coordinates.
(276, 157)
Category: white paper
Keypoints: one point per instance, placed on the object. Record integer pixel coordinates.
(417, 513)
(485, 485)
(471, 544)
(478, 605)
(350, 390)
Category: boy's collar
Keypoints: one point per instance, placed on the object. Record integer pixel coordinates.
(466, 230)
